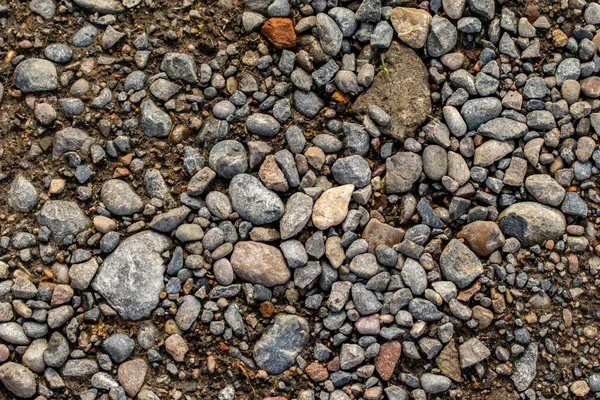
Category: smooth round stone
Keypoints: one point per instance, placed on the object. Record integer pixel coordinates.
(453, 61)
(263, 125)
(260, 263)
(435, 162)
(590, 87)
(35, 75)
(59, 53)
(570, 91)
(532, 223)
(119, 198)
(118, 346)
(18, 380)
(44, 8)
(223, 272)
(223, 109)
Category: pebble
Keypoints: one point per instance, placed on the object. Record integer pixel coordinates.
(331, 207)
(19, 380)
(259, 263)
(459, 264)
(254, 202)
(134, 294)
(175, 184)
(276, 350)
(35, 75)
(412, 25)
(532, 223)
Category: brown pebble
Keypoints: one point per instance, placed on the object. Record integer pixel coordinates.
(580, 388)
(386, 360)
(267, 309)
(317, 372)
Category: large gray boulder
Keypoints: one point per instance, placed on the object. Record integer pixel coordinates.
(131, 278)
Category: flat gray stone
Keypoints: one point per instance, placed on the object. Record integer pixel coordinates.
(22, 195)
(119, 198)
(459, 264)
(525, 369)
(131, 278)
(101, 6)
(298, 211)
(278, 347)
(63, 218)
(35, 75)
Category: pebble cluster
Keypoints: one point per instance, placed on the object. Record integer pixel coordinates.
(299, 199)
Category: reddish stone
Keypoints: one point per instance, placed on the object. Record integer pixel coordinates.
(573, 263)
(483, 237)
(532, 13)
(386, 360)
(334, 365)
(176, 347)
(280, 32)
(368, 325)
(272, 176)
(266, 309)
(131, 375)
(483, 316)
(466, 294)
(317, 372)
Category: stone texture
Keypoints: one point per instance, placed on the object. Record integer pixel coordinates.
(459, 264)
(278, 347)
(280, 32)
(63, 218)
(332, 207)
(411, 25)
(260, 263)
(377, 233)
(532, 223)
(483, 237)
(131, 278)
(408, 109)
